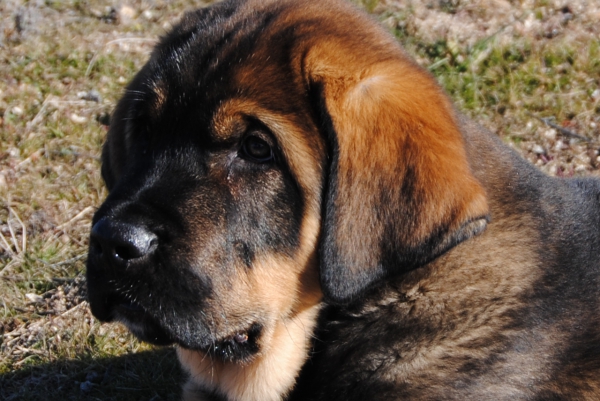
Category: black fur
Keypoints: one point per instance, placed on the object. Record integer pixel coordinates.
(508, 313)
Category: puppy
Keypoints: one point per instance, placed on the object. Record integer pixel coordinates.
(297, 205)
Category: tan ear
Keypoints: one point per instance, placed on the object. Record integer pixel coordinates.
(399, 191)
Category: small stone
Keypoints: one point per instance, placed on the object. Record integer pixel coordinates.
(77, 119)
(34, 298)
(538, 149)
(86, 386)
(93, 377)
(560, 146)
(126, 14)
(92, 95)
(14, 152)
(550, 134)
(596, 94)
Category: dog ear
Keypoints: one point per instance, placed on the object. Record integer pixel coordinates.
(399, 191)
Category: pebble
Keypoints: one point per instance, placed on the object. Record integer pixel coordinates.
(35, 298)
(149, 15)
(560, 145)
(92, 377)
(86, 386)
(92, 95)
(538, 149)
(126, 14)
(550, 134)
(14, 152)
(77, 119)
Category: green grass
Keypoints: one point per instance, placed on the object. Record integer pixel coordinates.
(50, 141)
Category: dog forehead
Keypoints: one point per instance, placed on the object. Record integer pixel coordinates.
(214, 55)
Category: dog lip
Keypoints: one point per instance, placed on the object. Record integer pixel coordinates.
(240, 346)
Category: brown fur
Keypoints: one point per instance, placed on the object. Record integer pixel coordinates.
(390, 249)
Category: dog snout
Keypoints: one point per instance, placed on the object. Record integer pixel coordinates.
(121, 242)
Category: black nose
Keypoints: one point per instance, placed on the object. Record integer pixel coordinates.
(121, 242)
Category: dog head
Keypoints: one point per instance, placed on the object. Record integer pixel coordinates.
(267, 153)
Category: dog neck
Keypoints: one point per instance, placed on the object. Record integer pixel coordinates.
(269, 377)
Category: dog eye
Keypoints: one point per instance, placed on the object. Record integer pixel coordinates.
(257, 150)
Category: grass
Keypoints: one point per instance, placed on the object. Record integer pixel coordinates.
(63, 65)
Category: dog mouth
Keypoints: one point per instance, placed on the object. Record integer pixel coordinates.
(164, 319)
(238, 346)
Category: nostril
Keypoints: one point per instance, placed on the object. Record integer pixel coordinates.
(125, 253)
(120, 241)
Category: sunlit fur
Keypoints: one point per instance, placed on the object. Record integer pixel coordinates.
(391, 250)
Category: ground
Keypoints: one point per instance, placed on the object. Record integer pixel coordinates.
(528, 70)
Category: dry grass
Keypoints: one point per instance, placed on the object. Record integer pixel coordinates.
(64, 63)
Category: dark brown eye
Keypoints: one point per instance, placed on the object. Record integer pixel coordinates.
(257, 150)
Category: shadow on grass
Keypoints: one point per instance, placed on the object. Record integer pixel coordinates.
(145, 376)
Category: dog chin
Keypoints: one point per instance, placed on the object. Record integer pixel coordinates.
(239, 346)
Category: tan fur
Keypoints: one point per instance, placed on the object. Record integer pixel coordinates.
(161, 96)
(304, 155)
(267, 378)
(396, 196)
(375, 112)
(290, 290)
(456, 294)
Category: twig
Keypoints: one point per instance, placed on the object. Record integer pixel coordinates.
(78, 306)
(23, 230)
(5, 245)
(13, 236)
(4, 271)
(560, 129)
(39, 114)
(64, 262)
(52, 100)
(75, 218)
(120, 40)
(27, 358)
